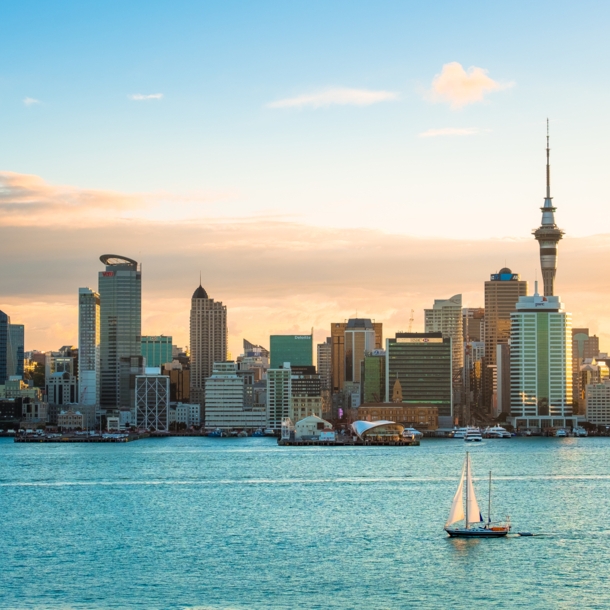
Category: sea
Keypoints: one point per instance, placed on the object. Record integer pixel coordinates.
(230, 523)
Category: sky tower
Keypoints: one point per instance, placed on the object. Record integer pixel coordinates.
(548, 233)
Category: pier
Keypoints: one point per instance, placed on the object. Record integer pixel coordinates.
(347, 442)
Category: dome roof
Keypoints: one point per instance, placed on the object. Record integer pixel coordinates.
(505, 271)
(200, 293)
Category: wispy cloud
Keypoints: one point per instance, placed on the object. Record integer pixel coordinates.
(452, 131)
(335, 97)
(141, 96)
(459, 87)
(30, 101)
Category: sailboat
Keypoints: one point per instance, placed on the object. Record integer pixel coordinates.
(468, 511)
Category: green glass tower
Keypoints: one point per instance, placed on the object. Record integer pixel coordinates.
(296, 349)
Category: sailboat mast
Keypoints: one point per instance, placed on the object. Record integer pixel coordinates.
(467, 484)
(489, 501)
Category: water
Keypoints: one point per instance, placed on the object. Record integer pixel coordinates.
(245, 524)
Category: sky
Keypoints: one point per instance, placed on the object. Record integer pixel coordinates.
(314, 160)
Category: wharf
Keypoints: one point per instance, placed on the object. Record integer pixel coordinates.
(347, 443)
(34, 438)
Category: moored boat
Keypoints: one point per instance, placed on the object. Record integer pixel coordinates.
(560, 433)
(473, 435)
(466, 508)
(496, 432)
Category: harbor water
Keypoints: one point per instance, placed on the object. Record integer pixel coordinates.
(242, 523)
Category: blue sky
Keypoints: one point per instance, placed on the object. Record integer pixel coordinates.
(212, 147)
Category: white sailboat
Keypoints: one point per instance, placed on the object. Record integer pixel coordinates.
(467, 510)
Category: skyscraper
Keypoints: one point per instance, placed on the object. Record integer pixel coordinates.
(359, 339)
(5, 350)
(157, 349)
(88, 346)
(541, 363)
(583, 346)
(296, 349)
(325, 364)
(120, 290)
(208, 335)
(502, 292)
(16, 349)
(446, 317)
(548, 233)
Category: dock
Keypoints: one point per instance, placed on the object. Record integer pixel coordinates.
(347, 443)
(60, 438)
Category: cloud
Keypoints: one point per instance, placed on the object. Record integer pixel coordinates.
(458, 88)
(30, 101)
(140, 96)
(452, 131)
(335, 97)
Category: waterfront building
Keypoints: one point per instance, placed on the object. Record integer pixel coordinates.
(120, 290)
(502, 292)
(296, 349)
(89, 333)
(279, 396)
(373, 377)
(548, 234)
(584, 346)
(208, 336)
(422, 363)
(187, 414)
(15, 387)
(152, 401)
(597, 401)
(359, 330)
(157, 349)
(419, 417)
(11, 412)
(541, 363)
(225, 400)
(62, 389)
(306, 393)
(311, 427)
(70, 420)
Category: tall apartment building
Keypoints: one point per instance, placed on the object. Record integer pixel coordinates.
(5, 347)
(208, 335)
(502, 292)
(419, 371)
(583, 346)
(348, 341)
(541, 363)
(446, 317)
(157, 349)
(324, 354)
(296, 349)
(279, 396)
(89, 334)
(120, 290)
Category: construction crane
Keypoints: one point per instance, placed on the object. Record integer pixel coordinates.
(411, 321)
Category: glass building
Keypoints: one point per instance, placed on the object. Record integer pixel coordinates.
(88, 346)
(16, 349)
(5, 323)
(120, 290)
(296, 349)
(421, 363)
(157, 350)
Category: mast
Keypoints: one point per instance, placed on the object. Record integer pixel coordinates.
(467, 485)
(489, 501)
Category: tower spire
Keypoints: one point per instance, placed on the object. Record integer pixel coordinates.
(548, 163)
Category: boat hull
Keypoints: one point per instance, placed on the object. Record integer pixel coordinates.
(476, 532)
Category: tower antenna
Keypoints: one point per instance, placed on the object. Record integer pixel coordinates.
(548, 163)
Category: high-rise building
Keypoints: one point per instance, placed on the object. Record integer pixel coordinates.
(446, 317)
(152, 401)
(88, 346)
(208, 334)
(541, 363)
(120, 290)
(325, 364)
(5, 346)
(548, 234)
(348, 340)
(296, 349)
(16, 349)
(279, 396)
(473, 324)
(157, 349)
(373, 377)
(583, 346)
(422, 365)
(502, 292)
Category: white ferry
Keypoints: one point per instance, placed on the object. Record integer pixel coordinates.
(496, 432)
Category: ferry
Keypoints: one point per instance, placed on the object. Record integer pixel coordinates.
(496, 432)
(580, 431)
(561, 433)
(473, 435)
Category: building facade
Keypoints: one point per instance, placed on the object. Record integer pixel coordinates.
(541, 364)
(89, 336)
(422, 365)
(421, 418)
(152, 402)
(208, 335)
(296, 349)
(120, 290)
(597, 400)
(279, 396)
(5, 346)
(584, 347)
(16, 354)
(373, 377)
(157, 349)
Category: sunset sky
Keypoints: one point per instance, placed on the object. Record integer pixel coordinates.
(314, 160)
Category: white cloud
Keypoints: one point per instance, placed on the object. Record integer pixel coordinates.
(338, 96)
(140, 96)
(452, 131)
(459, 87)
(29, 101)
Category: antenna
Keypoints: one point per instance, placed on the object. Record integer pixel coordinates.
(548, 163)
(411, 321)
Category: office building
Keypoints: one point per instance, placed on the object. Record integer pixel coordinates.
(89, 333)
(473, 324)
(208, 335)
(446, 317)
(70, 420)
(597, 401)
(120, 290)
(179, 382)
(373, 377)
(502, 292)
(157, 349)
(129, 368)
(421, 418)
(548, 234)
(306, 393)
(324, 364)
(279, 396)
(358, 334)
(501, 403)
(296, 349)
(187, 414)
(152, 402)
(584, 346)
(422, 365)
(541, 363)
(16, 350)
(226, 406)
(62, 389)
(255, 358)
(5, 347)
